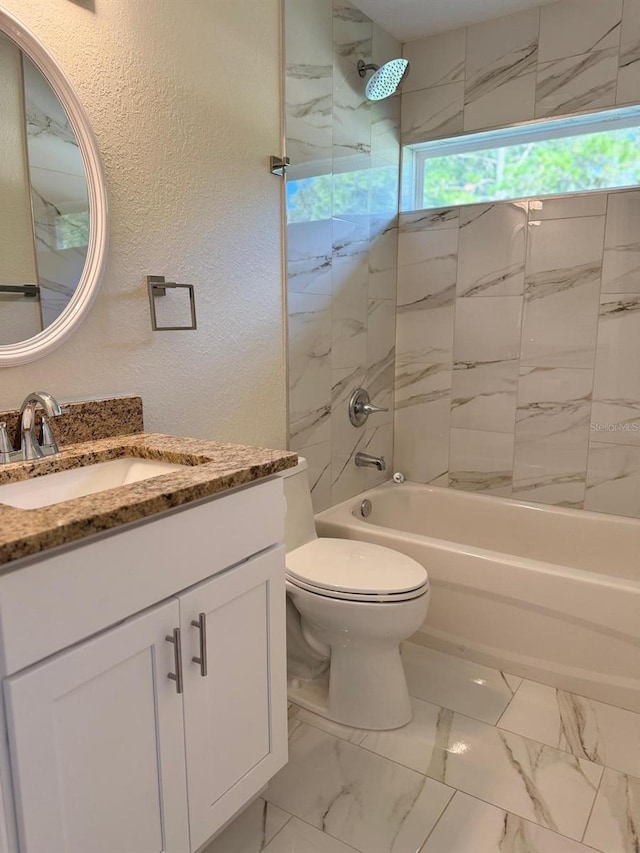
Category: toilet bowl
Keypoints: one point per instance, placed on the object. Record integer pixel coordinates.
(349, 606)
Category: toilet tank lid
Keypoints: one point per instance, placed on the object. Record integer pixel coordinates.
(346, 565)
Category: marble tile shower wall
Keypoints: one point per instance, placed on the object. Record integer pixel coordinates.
(566, 57)
(518, 329)
(342, 193)
(518, 350)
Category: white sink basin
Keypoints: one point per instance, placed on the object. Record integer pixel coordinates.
(78, 482)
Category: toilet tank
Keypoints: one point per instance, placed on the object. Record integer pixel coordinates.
(299, 526)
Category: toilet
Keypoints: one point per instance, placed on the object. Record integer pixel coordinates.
(349, 606)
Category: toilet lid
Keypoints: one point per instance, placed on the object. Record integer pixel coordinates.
(348, 566)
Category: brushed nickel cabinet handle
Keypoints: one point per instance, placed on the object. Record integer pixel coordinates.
(201, 625)
(176, 676)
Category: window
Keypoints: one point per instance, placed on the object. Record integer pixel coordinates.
(373, 189)
(587, 153)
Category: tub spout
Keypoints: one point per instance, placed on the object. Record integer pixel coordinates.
(365, 460)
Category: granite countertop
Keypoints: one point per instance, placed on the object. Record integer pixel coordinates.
(214, 468)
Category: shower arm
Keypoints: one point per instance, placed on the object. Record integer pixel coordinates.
(363, 67)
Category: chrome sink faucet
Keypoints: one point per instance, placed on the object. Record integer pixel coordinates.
(29, 445)
(365, 460)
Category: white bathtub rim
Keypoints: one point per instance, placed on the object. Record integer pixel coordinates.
(568, 512)
(350, 506)
(501, 575)
(494, 557)
(334, 515)
(626, 618)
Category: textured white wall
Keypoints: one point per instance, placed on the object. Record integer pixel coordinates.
(183, 96)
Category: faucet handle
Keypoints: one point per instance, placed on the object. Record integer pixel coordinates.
(7, 453)
(5, 445)
(360, 407)
(48, 442)
(371, 408)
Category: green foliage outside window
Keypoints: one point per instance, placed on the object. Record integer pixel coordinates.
(586, 163)
(72, 230)
(372, 191)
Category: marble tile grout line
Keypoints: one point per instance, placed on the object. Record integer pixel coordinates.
(525, 819)
(440, 817)
(306, 822)
(567, 749)
(530, 740)
(271, 840)
(493, 805)
(593, 805)
(579, 695)
(598, 336)
(455, 319)
(508, 705)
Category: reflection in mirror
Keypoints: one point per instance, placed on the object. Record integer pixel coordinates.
(44, 208)
(19, 316)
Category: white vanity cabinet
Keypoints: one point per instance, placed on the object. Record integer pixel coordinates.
(109, 754)
(97, 742)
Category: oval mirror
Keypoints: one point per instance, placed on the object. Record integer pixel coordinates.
(53, 205)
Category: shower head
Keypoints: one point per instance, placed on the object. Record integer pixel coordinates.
(387, 78)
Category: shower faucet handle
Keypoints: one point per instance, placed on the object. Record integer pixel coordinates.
(371, 409)
(360, 407)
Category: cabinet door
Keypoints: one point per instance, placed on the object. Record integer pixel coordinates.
(236, 715)
(97, 750)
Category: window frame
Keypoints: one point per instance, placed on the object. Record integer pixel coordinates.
(416, 154)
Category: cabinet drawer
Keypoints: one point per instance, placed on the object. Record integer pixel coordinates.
(59, 600)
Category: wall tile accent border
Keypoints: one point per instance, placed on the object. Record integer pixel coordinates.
(518, 350)
(565, 57)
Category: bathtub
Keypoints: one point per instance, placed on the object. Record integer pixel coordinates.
(547, 593)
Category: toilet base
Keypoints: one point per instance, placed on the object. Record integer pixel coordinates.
(311, 695)
(365, 686)
(375, 700)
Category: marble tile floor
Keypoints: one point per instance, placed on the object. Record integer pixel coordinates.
(491, 763)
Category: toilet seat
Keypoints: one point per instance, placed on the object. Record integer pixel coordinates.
(356, 571)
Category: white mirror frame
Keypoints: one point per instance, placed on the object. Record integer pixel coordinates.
(58, 332)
